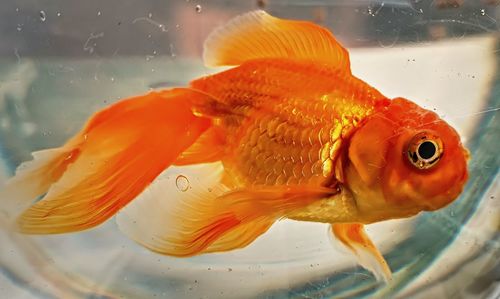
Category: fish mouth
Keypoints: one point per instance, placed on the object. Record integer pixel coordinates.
(467, 154)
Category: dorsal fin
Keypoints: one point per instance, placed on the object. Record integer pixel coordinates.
(257, 35)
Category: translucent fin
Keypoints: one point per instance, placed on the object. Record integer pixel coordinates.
(208, 148)
(253, 211)
(354, 237)
(33, 178)
(257, 35)
(120, 152)
(207, 217)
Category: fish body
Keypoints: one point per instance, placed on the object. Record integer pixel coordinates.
(286, 119)
(297, 134)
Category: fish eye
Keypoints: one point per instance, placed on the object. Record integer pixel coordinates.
(425, 150)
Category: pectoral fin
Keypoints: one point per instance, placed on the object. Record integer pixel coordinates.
(354, 237)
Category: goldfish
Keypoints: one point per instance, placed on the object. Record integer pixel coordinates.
(295, 136)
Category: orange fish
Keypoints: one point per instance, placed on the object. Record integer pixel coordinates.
(297, 135)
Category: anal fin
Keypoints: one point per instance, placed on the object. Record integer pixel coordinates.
(208, 217)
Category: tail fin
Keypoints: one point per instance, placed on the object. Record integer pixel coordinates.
(119, 152)
(33, 178)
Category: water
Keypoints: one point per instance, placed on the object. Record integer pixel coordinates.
(59, 66)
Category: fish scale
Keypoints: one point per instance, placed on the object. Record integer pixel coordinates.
(284, 133)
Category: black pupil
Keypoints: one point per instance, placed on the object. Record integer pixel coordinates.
(427, 150)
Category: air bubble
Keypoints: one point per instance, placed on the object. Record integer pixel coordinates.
(43, 16)
(182, 183)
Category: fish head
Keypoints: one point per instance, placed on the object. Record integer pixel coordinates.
(405, 159)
